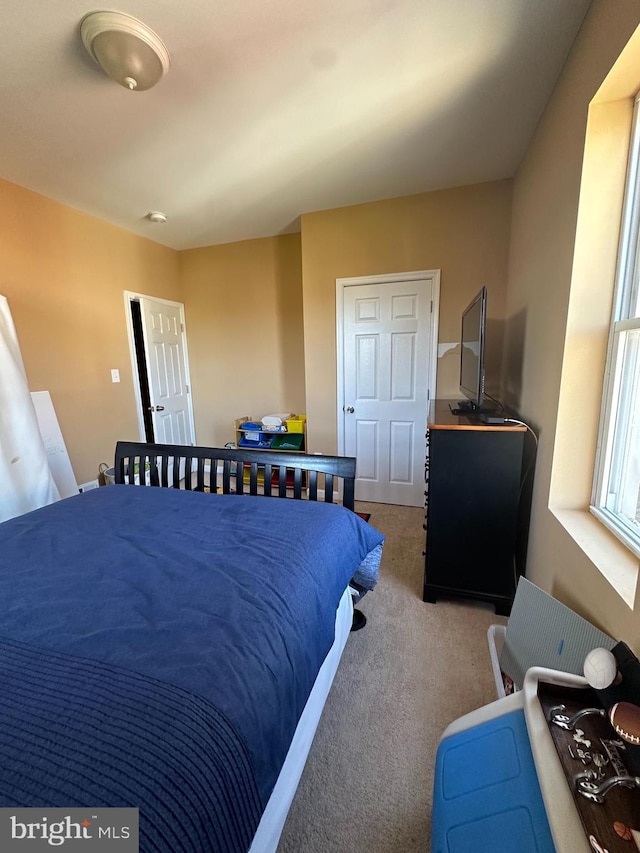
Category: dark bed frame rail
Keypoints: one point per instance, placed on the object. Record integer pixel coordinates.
(165, 462)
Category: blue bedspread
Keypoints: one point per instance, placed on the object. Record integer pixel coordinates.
(228, 600)
(74, 732)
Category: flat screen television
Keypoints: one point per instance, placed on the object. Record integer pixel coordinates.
(472, 343)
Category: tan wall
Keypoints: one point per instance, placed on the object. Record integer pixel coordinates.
(550, 321)
(463, 232)
(243, 304)
(64, 274)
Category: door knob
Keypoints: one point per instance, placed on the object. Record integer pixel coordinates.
(350, 410)
(156, 408)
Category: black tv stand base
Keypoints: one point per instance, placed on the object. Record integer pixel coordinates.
(464, 407)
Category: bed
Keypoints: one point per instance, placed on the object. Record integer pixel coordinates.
(168, 642)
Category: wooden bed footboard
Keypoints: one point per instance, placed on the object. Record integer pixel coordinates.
(269, 472)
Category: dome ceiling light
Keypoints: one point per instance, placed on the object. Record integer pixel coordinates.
(128, 51)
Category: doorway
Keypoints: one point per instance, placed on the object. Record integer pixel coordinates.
(160, 366)
(387, 336)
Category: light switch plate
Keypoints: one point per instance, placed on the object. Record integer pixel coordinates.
(115, 375)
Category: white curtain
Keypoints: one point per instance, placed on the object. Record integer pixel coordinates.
(26, 481)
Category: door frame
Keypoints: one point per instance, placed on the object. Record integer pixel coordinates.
(132, 296)
(388, 278)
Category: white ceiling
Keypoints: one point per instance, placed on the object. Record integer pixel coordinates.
(273, 108)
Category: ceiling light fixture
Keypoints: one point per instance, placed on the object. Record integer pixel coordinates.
(129, 52)
(156, 216)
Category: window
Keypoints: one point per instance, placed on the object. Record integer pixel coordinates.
(616, 494)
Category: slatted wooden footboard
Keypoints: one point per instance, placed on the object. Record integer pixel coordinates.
(268, 472)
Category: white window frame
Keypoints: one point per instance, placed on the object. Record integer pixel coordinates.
(616, 410)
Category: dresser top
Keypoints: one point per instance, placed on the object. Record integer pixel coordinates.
(441, 417)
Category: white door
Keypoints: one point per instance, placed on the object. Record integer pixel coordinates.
(164, 345)
(388, 363)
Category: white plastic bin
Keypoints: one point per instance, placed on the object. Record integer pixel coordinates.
(495, 637)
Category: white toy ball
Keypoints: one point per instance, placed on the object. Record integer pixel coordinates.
(600, 668)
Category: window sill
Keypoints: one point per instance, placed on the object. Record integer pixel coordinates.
(611, 558)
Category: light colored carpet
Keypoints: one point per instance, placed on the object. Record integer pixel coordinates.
(403, 678)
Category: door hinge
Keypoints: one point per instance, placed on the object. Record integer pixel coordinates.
(187, 389)
(182, 327)
(431, 307)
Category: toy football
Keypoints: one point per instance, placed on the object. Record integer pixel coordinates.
(625, 719)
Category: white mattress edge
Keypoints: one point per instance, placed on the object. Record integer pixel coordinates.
(275, 814)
